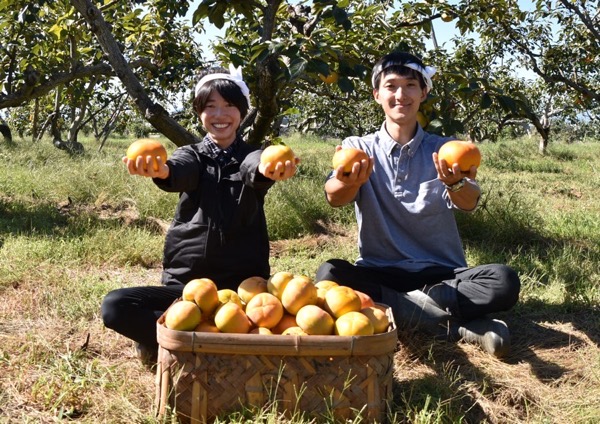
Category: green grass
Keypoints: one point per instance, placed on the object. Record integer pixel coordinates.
(74, 228)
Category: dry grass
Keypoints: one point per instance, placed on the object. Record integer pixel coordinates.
(552, 370)
(58, 363)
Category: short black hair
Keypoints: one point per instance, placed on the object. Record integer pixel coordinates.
(393, 63)
(229, 90)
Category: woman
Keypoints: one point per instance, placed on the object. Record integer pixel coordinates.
(219, 230)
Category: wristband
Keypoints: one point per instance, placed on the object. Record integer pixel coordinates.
(457, 186)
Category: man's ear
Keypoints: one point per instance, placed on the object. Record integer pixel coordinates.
(376, 95)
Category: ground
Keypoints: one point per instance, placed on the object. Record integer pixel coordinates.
(553, 364)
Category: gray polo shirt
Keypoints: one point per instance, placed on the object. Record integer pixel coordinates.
(404, 213)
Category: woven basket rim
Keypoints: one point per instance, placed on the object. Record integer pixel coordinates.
(276, 344)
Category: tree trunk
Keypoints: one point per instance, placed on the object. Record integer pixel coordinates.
(267, 71)
(36, 118)
(543, 145)
(111, 123)
(6, 133)
(154, 113)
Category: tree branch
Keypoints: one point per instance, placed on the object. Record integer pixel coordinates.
(153, 112)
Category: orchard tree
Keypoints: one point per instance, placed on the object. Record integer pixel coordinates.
(311, 60)
(48, 54)
(559, 40)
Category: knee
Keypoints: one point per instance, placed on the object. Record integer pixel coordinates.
(327, 270)
(111, 309)
(510, 285)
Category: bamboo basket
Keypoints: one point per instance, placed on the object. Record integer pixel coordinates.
(204, 375)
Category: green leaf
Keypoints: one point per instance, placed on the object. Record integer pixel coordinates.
(57, 31)
(345, 85)
(507, 103)
(291, 111)
(340, 15)
(318, 66)
(297, 67)
(486, 101)
(259, 52)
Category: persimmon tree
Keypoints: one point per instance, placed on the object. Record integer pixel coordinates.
(558, 40)
(53, 65)
(307, 60)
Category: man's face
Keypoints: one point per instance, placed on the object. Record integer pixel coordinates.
(400, 97)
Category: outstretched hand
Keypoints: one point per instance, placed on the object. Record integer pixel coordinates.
(361, 171)
(136, 167)
(279, 171)
(450, 176)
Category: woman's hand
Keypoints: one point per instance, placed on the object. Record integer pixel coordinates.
(136, 167)
(279, 171)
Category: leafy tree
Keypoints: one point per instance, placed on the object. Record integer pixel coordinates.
(557, 40)
(308, 62)
(50, 50)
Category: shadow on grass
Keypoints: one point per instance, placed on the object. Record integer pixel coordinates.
(69, 220)
(20, 218)
(457, 385)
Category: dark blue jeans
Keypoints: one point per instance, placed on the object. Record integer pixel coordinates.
(480, 290)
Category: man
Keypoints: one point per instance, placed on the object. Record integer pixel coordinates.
(410, 251)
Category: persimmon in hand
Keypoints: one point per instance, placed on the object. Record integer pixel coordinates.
(147, 147)
(347, 157)
(464, 153)
(277, 153)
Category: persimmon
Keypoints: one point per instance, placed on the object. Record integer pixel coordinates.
(287, 321)
(340, 300)
(354, 324)
(264, 310)
(465, 153)
(184, 315)
(313, 320)
(204, 292)
(277, 282)
(147, 147)
(250, 287)
(332, 78)
(447, 17)
(231, 318)
(298, 292)
(347, 157)
(277, 153)
(378, 318)
(422, 119)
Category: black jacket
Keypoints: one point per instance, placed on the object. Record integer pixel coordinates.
(219, 230)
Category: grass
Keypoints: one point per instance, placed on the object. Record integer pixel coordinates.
(74, 228)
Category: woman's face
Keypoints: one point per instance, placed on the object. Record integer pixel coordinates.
(221, 119)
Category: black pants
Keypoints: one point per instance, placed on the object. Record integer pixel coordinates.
(133, 311)
(480, 290)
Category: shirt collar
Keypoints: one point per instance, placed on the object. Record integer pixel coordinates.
(388, 143)
(214, 151)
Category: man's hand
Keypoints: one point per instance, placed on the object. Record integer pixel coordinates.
(361, 171)
(451, 176)
(342, 188)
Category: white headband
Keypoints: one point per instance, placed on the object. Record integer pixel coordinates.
(234, 75)
(427, 72)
